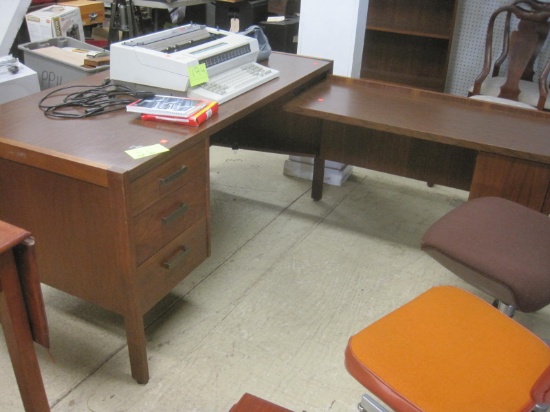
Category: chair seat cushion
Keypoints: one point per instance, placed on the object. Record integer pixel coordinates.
(448, 350)
(499, 246)
(529, 91)
(500, 100)
(251, 403)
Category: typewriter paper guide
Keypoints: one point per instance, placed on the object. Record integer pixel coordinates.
(161, 61)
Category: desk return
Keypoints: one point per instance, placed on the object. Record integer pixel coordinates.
(486, 148)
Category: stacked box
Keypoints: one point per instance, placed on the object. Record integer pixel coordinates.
(20, 84)
(55, 21)
(335, 173)
(91, 12)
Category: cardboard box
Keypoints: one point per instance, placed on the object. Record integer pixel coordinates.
(335, 177)
(55, 21)
(309, 160)
(282, 35)
(283, 7)
(91, 12)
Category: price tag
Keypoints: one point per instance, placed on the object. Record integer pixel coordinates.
(198, 74)
(139, 152)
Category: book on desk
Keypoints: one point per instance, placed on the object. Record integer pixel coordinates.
(174, 109)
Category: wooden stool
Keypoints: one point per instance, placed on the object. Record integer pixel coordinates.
(22, 313)
(251, 403)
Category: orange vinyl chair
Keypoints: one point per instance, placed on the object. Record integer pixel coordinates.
(251, 403)
(444, 351)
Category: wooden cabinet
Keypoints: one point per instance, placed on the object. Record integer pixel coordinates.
(409, 41)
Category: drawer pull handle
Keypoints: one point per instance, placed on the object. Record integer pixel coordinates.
(176, 259)
(175, 214)
(178, 173)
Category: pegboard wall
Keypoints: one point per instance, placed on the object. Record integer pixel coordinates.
(466, 60)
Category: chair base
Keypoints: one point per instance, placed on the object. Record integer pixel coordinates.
(368, 404)
(508, 310)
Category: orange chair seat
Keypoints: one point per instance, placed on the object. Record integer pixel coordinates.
(251, 403)
(448, 350)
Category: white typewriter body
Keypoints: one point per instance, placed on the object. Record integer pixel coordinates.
(161, 61)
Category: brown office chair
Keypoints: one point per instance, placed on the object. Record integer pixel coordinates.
(22, 313)
(444, 351)
(520, 49)
(498, 246)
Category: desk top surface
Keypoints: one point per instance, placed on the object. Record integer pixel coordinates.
(428, 115)
(98, 143)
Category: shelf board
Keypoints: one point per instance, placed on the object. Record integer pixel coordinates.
(409, 31)
(427, 83)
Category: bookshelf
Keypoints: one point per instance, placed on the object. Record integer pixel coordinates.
(409, 42)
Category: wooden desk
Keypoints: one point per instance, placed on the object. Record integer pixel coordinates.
(119, 232)
(485, 148)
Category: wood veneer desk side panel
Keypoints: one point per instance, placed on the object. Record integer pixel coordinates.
(91, 172)
(521, 181)
(431, 116)
(72, 221)
(398, 155)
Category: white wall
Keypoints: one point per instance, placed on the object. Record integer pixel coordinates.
(334, 30)
(11, 17)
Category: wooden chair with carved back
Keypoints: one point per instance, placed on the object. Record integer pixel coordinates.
(521, 51)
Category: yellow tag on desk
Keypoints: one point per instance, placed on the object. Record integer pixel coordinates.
(197, 74)
(145, 151)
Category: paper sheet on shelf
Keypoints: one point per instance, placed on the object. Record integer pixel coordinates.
(73, 58)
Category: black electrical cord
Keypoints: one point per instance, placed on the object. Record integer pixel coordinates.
(105, 98)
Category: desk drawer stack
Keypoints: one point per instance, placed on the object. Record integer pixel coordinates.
(169, 215)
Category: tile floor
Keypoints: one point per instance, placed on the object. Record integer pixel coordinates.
(270, 312)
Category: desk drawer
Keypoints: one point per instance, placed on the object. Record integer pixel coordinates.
(170, 216)
(158, 275)
(167, 177)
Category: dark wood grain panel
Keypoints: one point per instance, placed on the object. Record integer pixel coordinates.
(518, 180)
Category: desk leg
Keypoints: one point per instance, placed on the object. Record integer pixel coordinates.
(17, 332)
(318, 178)
(137, 349)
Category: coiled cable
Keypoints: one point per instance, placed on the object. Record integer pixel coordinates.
(90, 101)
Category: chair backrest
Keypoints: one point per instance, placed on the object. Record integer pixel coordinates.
(520, 48)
